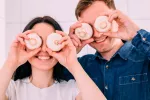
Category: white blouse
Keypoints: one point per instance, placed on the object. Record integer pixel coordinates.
(25, 90)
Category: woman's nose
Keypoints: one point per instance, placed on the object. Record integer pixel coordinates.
(43, 47)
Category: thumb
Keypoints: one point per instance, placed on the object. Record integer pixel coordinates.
(87, 41)
(34, 52)
(50, 52)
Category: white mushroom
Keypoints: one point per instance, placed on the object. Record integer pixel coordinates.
(103, 25)
(52, 41)
(33, 42)
(84, 32)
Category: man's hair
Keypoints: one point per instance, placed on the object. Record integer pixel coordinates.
(84, 4)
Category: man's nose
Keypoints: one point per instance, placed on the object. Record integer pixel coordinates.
(97, 34)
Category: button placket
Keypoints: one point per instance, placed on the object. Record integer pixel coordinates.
(105, 84)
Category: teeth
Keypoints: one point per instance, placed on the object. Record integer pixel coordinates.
(100, 40)
(43, 58)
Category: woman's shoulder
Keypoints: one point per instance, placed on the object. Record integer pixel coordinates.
(19, 81)
(68, 88)
(67, 85)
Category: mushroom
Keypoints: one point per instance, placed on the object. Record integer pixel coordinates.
(33, 42)
(84, 32)
(103, 25)
(53, 41)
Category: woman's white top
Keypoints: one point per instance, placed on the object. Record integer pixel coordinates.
(25, 90)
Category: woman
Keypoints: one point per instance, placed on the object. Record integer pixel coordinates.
(37, 73)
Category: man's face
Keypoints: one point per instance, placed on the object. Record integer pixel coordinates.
(101, 42)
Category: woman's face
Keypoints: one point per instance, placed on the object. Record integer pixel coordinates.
(43, 60)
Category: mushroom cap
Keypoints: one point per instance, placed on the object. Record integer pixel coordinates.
(33, 42)
(102, 24)
(52, 41)
(84, 32)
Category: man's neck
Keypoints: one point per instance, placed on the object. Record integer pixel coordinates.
(108, 55)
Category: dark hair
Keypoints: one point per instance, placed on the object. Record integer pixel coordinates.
(24, 70)
(84, 4)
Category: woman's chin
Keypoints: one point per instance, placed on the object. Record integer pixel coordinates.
(44, 68)
(43, 64)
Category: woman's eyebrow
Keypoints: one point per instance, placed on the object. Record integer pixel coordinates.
(90, 24)
(40, 37)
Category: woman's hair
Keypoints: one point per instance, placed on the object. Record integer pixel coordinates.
(25, 70)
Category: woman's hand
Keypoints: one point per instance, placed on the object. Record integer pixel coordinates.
(127, 28)
(67, 56)
(17, 54)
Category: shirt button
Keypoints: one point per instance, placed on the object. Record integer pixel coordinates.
(144, 39)
(107, 66)
(106, 87)
(133, 79)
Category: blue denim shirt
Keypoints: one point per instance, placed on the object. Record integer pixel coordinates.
(126, 75)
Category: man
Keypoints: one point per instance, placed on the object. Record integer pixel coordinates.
(120, 66)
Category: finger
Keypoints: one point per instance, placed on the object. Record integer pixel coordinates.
(21, 40)
(76, 39)
(74, 26)
(15, 43)
(63, 39)
(23, 36)
(50, 52)
(87, 42)
(75, 43)
(29, 31)
(66, 43)
(22, 47)
(33, 52)
(61, 33)
(113, 17)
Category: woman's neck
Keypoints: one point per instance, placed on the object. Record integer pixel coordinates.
(41, 79)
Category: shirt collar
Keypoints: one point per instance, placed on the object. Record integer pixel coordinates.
(124, 51)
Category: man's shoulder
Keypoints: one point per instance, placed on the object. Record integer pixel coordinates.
(86, 57)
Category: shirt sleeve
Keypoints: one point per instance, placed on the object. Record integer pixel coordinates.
(73, 86)
(10, 93)
(142, 42)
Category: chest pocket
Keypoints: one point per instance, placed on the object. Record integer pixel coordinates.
(131, 79)
(133, 87)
